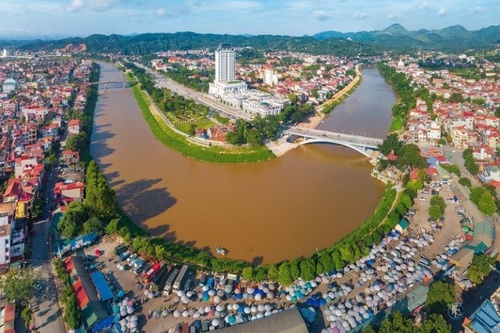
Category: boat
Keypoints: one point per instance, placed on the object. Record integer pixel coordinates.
(221, 250)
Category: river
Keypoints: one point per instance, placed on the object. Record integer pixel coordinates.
(262, 213)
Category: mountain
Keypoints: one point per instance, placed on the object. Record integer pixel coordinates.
(451, 39)
(143, 44)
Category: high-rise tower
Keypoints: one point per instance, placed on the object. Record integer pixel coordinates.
(225, 64)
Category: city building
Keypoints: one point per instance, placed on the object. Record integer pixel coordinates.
(225, 63)
(9, 85)
(7, 211)
(235, 93)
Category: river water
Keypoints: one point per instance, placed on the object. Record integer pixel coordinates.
(262, 213)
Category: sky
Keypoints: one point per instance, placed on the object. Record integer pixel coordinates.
(64, 18)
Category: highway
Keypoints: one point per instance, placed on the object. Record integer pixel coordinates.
(200, 98)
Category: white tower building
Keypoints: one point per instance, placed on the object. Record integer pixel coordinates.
(225, 64)
(4, 53)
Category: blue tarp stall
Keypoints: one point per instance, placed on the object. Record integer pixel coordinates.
(74, 244)
(102, 286)
(106, 322)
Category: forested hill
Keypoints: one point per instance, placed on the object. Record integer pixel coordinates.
(451, 39)
(147, 43)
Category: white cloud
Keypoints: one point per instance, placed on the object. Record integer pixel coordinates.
(442, 11)
(161, 12)
(395, 16)
(360, 15)
(94, 5)
(321, 15)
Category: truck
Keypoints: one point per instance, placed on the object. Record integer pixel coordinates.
(120, 248)
(124, 255)
(170, 281)
(160, 279)
(150, 274)
(180, 278)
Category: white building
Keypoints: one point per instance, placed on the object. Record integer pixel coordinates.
(270, 78)
(9, 85)
(4, 53)
(7, 211)
(225, 64)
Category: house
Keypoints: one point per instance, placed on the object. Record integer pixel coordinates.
(74, 127)
(69, 190)
(70, 156)
(484, 320)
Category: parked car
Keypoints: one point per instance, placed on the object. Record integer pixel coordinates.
(421, 198)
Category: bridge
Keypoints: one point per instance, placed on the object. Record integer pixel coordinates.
(364, 145)
(124, 82)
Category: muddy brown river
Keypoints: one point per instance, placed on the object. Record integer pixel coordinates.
(262, 213)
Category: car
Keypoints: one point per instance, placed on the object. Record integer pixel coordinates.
(38, 286)
(421, 198)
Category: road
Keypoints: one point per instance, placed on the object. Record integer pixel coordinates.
(46, 312)
(200, 98)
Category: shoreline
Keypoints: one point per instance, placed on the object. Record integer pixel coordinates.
(281, 147)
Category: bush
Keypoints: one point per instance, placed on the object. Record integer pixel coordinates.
(465, 182)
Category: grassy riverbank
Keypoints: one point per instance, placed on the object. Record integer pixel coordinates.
(176, 141)
(330, 105)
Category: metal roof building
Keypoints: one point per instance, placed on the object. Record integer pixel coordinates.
(289, 321)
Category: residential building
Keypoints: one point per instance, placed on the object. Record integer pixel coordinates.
(7, 211)
(9, 85)
(74, 127)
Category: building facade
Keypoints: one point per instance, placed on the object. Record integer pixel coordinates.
(225, 64)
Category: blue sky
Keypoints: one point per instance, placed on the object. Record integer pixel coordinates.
(25, 18)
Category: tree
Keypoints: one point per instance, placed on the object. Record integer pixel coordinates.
(480, 268)
(100, 198)
(438, 200)
(71, 224)
(72, 314)
(284, 277)
(18, 285)
(26, 315)
(440, 296)
(77, 142)
(435, 212)
(295, 269)
(272, 272)
(112, 227)
(391, 144)
(254, 137)
(307, 269)
(192, 129)
(487, 204)
(94, 224)
(247, 273)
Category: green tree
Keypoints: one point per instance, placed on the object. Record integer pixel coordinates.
(247, 273)
(72, 314)
(112, 227)
(71, 224)
(440, 296)
(307, 269)
(254, 137)
(94, 224)
(435, 212)
(26, 315)
(18, 285)
(438, 200)
(272, 272)
(487, 204)
(480, 267)
(295, 269)
(284, 278)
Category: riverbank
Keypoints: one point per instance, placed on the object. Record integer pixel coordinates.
(340, 96)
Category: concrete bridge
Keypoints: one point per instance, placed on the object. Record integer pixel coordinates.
(125, 83)
(364, 145)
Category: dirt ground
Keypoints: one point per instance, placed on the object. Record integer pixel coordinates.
(450, 227)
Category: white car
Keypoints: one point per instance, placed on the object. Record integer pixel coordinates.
(421, 198)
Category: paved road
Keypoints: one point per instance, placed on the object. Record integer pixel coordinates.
(46, 311)
(201, 98)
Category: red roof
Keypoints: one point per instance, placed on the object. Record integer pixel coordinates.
(414, 174)
(81, 295)
(13, 188)
(74, 122)
(9, 313)
(431, 171)
(392, 157)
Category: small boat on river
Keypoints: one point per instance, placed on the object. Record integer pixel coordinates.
(221, 250)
